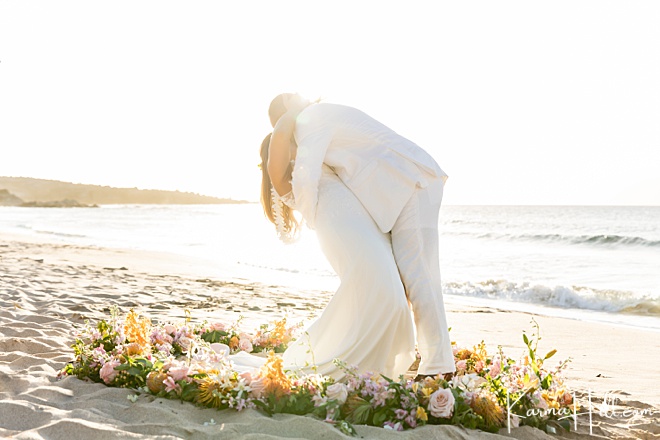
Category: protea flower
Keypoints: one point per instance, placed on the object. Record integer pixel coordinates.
(487, 408)
(155, 381)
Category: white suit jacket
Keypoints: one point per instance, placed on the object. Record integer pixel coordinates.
(379, 166)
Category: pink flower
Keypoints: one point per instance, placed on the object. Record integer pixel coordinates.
(257, 387)
(179, 373)
(245, 345)
(495, 369)
(217, 326)
(540, 401)
(461, 365)
(478, 366)
(169, 329)
(170, 385)
(98, 354)
(185, 340)
(108, 372)
(246, 376)
(441, 403)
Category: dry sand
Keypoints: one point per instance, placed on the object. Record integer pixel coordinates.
(47, 289)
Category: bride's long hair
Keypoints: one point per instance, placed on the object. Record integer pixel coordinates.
(291, 225)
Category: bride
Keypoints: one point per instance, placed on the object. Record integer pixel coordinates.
(373, 198)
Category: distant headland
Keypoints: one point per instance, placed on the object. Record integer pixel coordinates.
(25, 191)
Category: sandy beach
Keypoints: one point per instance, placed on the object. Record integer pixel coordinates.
(47, 289)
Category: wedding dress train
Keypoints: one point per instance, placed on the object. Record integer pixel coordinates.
(368, 322)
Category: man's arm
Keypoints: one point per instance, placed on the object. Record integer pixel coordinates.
(314, 131)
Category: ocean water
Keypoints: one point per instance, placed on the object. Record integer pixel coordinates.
(586, 262)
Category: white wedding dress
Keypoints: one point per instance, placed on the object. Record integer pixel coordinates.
(368, 322)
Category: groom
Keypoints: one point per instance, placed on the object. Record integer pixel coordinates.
(401, 187)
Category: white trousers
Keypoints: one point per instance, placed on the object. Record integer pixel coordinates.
(415, 247)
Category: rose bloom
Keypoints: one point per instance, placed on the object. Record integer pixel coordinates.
(338, 392)
(108, 372)
(169, 329)
(184, 341)
(257, 387)
(245, 345)
(179, 372)
(461, 365)
(246, 376)
(217, 326)
(441, 403)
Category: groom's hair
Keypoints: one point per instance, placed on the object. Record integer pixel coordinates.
(277, 108)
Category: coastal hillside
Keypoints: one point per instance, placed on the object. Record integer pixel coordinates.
(41, 190)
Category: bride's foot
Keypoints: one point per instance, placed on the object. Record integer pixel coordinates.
(445, 376)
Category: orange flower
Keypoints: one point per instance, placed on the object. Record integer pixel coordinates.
(137, 330)
(276, 380)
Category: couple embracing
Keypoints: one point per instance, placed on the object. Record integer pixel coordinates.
(373, 198)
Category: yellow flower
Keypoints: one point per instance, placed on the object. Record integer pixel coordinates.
(530, 383)
(551, 399)
(421, 414)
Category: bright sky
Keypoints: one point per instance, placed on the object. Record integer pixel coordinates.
(520, 102)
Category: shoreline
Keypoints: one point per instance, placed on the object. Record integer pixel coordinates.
(48, 288)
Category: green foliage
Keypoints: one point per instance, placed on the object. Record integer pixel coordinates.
(215, 336)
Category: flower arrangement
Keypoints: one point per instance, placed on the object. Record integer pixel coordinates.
(191, 363)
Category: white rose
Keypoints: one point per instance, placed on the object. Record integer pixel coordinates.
(441, 403)
(338, 392)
